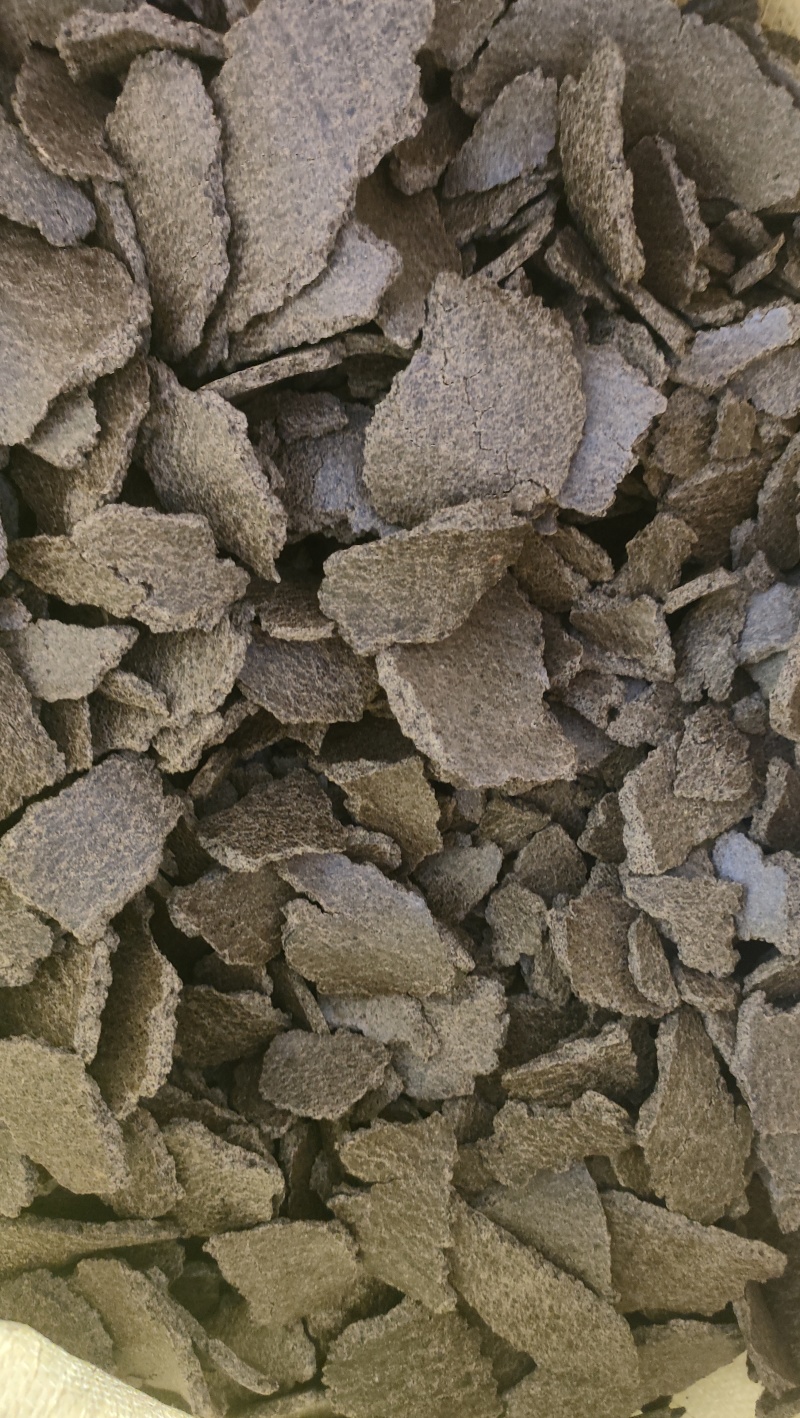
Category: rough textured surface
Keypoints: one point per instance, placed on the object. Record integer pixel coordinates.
(30, 760)
(64, 123)
(321, 1076)
(510, 139)
(289, 1269)
(58, 661)
(223, 1185)
(33, 196)
(273, 821)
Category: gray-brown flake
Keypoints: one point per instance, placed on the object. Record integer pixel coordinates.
(64, 122)
(94, 43)
(33, 196)
(321, 1076)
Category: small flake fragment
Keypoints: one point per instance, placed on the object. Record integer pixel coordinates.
(470, 1028)
(275, 820)
(215, 1027)
(32, 1241)
(459, 29)
(551, 864)
(238, 913)
(93, 43)
(675, 1355)
(457, 879)
(30, 760)
(590, 940)
(318, 681)
(598, 184)
(67, 432)
(321, 1076)
(223, 1185)
(59, 661)
(63, 1003)
(19, 1179)
(770, 891)
(153, 1187)
(113, 822)
(649, 965)
(48, 1304)
(288, 1270)
(510, 139)
(417, 163)
(456, 424)
(668, 221)
(385, 789)
(25, 939)
(530, 1139)
(607, 1063)
(698, 913)
(65, 123)
(717, 355)
(662, 1262)
(57, 1117)
(560, 1215)
(34, 196)
(166, 138)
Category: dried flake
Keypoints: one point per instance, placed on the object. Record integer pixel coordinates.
(538, 223)
(290, 611)
(63, 122)
(776, 823)
(29, 759)
(695, 83)
(649, 965)
(457, 879)
(153, 1186)
(314, 681)
(365, 88)
(256, 377)
(419, 585)
(283, 1353)
(470, 1026)
(48, 1304)
(434, 443)
(656, 555)
(736, 425)
(63, 1002)
(161, 569)
(551, 582)
(388, 792)
(489, 214)
(112, 823)
(571, 1332)
(510, 139)
(57, 1117)
(668, 221)
(675, 1355)
(769, 903)
(25, 939)
(19, 1181)
(321, 1076)
(698, 913)
(239, 914)
(134, 1055)
(558, 1214)
(598, 184)
(768, 1352)
(767, 1042)
(33, 196)
(115, 229)
(59, 661)
(632, 631)
(288, 1270)
(32, 1241)
(714, 501)
(215, 1028)
(152, 1343)
(717, 355)
(772, 384)
(550, 864)
(348, 292)
(531, 1140)
(67, 432)
(322, 481)
(590, 940)
(402, 1224)
(417, 163)
(174, 165)
(469, 702)
(223, 1185)
(665, 1263)
(459, 29)
(409, 1361)
(75, 315)
(94, 44)
(273, 821)
(371, 935)
(517, 918)
(771, 623)
(620, 406)
(679, 446)
(706, 642)
(712, 760)
(695, 1141)
(607, 1062)
(661, 828)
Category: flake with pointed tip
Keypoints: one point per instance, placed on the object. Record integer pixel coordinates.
(699, 914)
(95, 44)
(288, 1270)
(674, 1355)
(223, 1185)
(19, 1179)
(31, 1241)
(531, 1139)
(590, 939)
(59, 661)
(64, 122)
(559, 1214)
(215, 1027)
(470, 1027)
(63, 1003)
(717, 355)
(152, 1188)
(238, 913)
(273, 821)
(321, 1075)
(668, 221)
(417, 163)
(649, 966)
(319, 681)
(68, 431)
(769, 906)
(510, 139)
(29, 759)
(607, 1062)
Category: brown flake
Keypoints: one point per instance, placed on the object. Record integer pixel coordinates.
(488, 214)
(385, 787)
(598, 184)
(372, 935)
(528, 1140)
(768, 1352)
(550, 864)
(649, 966)
(284, 1354)
(417, 163)
(67, 432)
(75, 315)
(461, 700)
(736, 425)
(607, 1062)
(602, 835)
(517, 918)
(662, 1262)
(558, 1214)
(767, 1042)
(274, 820)
(307, 682)
(35, 197)
(65, 123)
(715, 500)
(113, 824)
(59, 661)
(470, 1027)
(418, 585)
(697, 912)
(668, 221)
(63, 1002)
(153, 1187)
(25, 939)
(134, 1055)
(402, 1224)
(674, 1355)
(457, 879)
(223, 1185)
(631, 631)
(656, 555)
(434, 443)
(57, 1117)
(48, 1304)
(322, 481)
(510, 139)
(288, 1270)
(348, 292)
(717, 355)
(215, 1028)
(135, 561)
(238, 913)
(706, 642)
(620, 407)
(174, 166)
(590, 940)
(459, 29)
(776, 823)
(94, 44)
(19, 1179)
(772, 384)
(116, 230)
(365, 87)
(712, 760)
(29, 759)
(290, 611)
(321, 1076)
(409, 1361)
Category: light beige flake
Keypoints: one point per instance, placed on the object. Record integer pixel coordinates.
(223, 1185)
(135, 561)
(67, 432)
(598, 184)
(371, 936)
(29, 760)
(492, 402)
(510, 139)
(321, 1075)
(620, 407)
(418, 585)
(473, 702)
(348, 292)
(48, 1304)
(59, 661)
(409, 1361)
(57, 1117)
(273, 821)
(283, 1353)
(288, 1269)
(360, 70)
(93, 43)
(64, 122)
(33, 196)
(63, 1003)
(304, 682)
(717, 355)
(166, 137)
(402, 1224)
(712, 761)
(66, 317)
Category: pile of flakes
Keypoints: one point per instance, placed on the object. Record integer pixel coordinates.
(400, 665)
